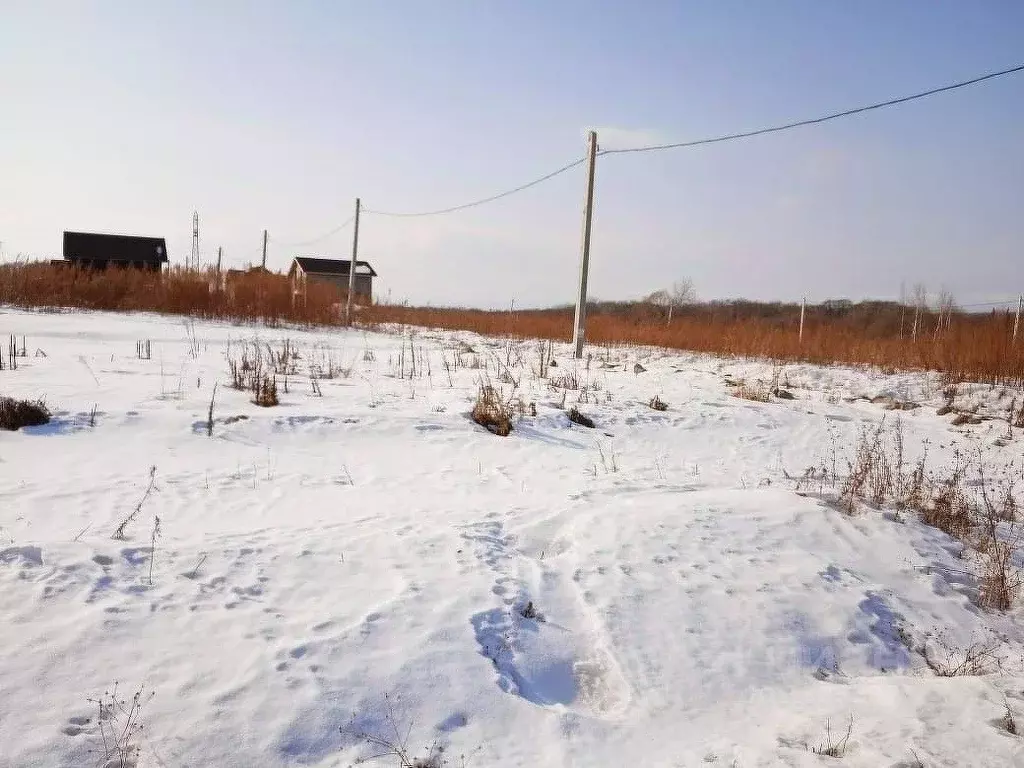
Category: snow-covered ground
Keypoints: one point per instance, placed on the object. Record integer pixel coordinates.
(357, 564)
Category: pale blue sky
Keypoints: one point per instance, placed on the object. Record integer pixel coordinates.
(127, 116)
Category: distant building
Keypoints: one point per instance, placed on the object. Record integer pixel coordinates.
(333, 272)
(254, 277)
(232, 275)
(98, 251)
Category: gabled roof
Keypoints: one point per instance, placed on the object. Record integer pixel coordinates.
(318, 266)
(248, 271)
(95, 246)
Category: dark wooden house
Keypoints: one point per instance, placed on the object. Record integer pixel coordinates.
(333, 272)
(99, 251)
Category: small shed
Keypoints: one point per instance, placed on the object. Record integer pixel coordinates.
(99, 251)
(255, 278)
(233, 275)
(333, 272)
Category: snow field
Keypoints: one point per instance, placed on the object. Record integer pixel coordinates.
(360, 563)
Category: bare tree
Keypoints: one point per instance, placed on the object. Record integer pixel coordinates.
(903, 307)
(919, 294)
(681, 293)
(946, 306)
(658, 298)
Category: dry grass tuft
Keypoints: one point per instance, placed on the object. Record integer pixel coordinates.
(576, 417)
(255, 370)
(1009, 722)
(755, 392)
(568, 380)
(977, 660)
(960, 499)
(120, 726)
(834, 745)
(658, 404)
(491, 412)
(15, 414)
(265, 391)
(1000, 579)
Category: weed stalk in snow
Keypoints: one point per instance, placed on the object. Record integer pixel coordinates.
(833, 746)
(120, 531)
(152, 553)
(120, 726)
(209, 414)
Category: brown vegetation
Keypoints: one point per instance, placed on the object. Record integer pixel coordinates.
(246, 297)
(256, 369)
(576, 417)
(959, 498)
(15, 414)
(974, 347)
(491, 412)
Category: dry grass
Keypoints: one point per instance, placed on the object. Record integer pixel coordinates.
(834, 745)
(391, 742)
(246, 298)
(974, 347)
(758, 394)
(491, 412)
(1009, 722)
(960, 499)
(658, 404)
(255, 370)
(1000, 579)
(15, 414)
(977, 660)
(969, 347)
(264, 392)
(120, 728)
(576, 417)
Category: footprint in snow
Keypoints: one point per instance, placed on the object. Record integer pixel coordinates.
(453, 722)
(135, 555)
(76, 726)
(546, 664)
(25, 556)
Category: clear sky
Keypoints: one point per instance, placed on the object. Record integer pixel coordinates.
(126, 116)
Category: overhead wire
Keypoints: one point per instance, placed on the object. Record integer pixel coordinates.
(484, 200)
(816, 120)
(1008, 302)
(314, 240)
(675, 145)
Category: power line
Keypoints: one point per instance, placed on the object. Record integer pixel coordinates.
(990, 304)
(815, 120)
(315, 239)
(677, 145)
(482, 201)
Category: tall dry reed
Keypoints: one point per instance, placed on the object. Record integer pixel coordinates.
(965, 346)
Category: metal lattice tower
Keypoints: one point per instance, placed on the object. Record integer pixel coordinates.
(193, 262)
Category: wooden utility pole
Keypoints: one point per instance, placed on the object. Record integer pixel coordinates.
(803, 309)
(352, 267)
(219, 252)
(1016, 319)
(264, 263)
(579, 328)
